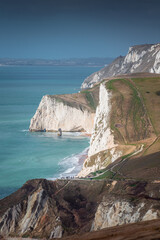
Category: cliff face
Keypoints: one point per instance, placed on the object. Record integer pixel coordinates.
(108, 71)
(46, 209)
(49, 209)
(70, 112)
(141, 58)
(120, 212)
(117, 208)
(53, 114)
(102, 138)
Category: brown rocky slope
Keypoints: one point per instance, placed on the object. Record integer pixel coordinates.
(148, 230)
(47, 209)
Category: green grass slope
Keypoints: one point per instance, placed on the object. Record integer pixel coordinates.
(87, 99)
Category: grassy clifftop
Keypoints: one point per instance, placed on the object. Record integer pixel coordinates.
(149, 88)
(86, 99)
(135, 107)
(129, 119)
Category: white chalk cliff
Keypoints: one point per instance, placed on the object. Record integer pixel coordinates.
(112, 213)
(53, 114)
(102, 137)
(140, 58)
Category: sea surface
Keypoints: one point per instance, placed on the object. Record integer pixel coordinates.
(25, 155)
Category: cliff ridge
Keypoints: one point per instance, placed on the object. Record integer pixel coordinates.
(140, 58)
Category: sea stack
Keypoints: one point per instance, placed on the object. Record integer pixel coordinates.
(59, 132)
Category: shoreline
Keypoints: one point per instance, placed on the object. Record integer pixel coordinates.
(71, 165)
(75, 164)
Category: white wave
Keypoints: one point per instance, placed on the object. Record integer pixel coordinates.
(69, 170)
(74, 158)
(71, 133)
(25, 130)
(72, 163)
(70, 166)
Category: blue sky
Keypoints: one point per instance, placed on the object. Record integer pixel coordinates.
(76, 28)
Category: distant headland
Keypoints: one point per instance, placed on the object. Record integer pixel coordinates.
(92, 61)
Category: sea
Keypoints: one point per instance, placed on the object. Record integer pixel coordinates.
(28, 155)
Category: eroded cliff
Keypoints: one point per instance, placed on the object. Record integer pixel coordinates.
(140, 58)
(70, 112)
(47, 209)
(102, 138)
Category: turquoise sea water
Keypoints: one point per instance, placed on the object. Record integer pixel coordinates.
(25, 155)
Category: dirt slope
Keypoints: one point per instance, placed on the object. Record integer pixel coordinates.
(148, 230)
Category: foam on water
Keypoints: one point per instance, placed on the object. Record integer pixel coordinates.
(25, 130)
(73, 163)
(70, 166)
(69, 170)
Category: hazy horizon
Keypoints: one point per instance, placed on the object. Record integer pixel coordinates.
(62, 58)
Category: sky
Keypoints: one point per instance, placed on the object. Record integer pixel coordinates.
(55, 29)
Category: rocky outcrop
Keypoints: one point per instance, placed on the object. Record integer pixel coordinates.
(140, 58)
(30, 213)
(114, 210)
(110, 70)
(156, 65)
(120, 212)
(54, 113)
(47, 209)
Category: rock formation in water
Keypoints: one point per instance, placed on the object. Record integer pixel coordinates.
(140, 58)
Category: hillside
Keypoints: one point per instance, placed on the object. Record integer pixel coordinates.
(140, 58)
(126, 121)
(136, 231)
(52, 209)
